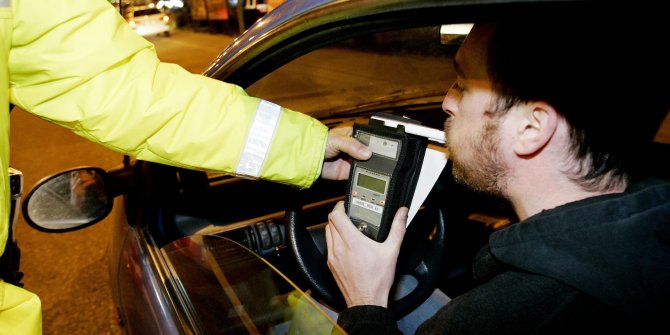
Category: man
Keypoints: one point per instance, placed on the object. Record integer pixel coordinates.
(79, 64)
(539, 116)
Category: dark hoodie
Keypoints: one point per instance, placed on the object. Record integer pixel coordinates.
(599, 264)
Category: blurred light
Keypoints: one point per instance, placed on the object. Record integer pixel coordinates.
(166, 18)
(170, 4)
(454, 34)
(456, 29)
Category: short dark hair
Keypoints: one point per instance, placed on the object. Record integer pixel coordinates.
(608, 78)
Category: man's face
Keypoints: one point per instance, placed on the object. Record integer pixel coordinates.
(471, 129)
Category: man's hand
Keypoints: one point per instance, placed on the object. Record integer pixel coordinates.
(340, 141)
(364, 269)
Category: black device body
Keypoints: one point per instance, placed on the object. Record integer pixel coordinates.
(379, 186)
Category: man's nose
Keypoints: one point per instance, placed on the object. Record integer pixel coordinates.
(450, 102)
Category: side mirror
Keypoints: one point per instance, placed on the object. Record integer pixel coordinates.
(69, 200)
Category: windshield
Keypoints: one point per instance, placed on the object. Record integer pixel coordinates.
(386, 69)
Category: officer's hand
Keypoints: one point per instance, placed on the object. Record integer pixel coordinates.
(335, 165)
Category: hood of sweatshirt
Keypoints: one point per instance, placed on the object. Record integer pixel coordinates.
(615, 248)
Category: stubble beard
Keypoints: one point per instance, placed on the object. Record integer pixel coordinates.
(476, 162)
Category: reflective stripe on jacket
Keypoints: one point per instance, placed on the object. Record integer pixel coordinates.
(78, 64)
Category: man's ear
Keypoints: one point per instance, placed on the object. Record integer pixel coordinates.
(535, 128)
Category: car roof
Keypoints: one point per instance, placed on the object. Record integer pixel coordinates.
(308, 22)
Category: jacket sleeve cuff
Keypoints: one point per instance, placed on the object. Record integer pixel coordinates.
(368, 319)
(297, 150)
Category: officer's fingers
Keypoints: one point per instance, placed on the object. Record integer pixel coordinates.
(344, 131)
(339, 142)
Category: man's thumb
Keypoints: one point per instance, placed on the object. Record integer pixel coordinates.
(398, 226)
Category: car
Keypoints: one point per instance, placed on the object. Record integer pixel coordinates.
(148, 20)
(196, 252)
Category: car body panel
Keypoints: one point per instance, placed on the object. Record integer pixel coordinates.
(141, 297)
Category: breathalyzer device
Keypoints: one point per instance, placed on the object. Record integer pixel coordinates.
(380, 185)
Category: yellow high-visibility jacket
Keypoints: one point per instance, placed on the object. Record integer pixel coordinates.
(77, 63)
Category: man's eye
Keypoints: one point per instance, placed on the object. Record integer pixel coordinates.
(458, 87)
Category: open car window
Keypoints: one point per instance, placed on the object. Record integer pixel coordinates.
(403, 68)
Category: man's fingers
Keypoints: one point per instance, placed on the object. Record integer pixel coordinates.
(398, 227)
(338, 217)
(330, 244)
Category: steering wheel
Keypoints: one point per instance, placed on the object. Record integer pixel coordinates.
(421, 256)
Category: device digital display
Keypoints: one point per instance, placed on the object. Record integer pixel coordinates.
(371, 183)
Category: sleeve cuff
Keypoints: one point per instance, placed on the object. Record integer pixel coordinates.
(368, 319)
